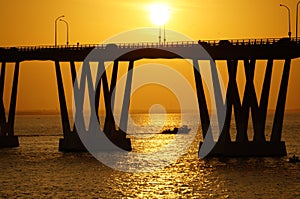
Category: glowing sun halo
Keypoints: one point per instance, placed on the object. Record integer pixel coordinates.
(159, 14)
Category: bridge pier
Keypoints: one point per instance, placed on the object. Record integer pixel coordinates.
(259, 146)
(116, 135)
(237, 107)
(7, 137)
(71, 140)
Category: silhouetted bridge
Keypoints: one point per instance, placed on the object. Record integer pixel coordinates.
(218, 49)
(248, 51)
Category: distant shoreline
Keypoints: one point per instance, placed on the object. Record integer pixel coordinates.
(132, 112)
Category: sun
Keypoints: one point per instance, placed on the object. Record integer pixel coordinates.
(159, 14)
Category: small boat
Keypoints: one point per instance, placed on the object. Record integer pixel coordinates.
(182, 130)
(294, 159)
(170, 131)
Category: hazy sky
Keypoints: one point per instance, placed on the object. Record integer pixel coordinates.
(31, 22)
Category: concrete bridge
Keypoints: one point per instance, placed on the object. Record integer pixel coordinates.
(247, 50)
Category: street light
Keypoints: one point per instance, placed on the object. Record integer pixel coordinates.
(159, 14)
(160, 33)
(289, 19)
(55, 42)
(165, 34)
(297, 21)
(67, 29)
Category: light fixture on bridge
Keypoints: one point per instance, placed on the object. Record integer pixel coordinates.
(67, 24)
(159, 15)
(55, 31)
(289, 19)
(297, 21)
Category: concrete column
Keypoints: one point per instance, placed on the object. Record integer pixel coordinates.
(62, 101)
(13, 101)
(109, 100)
(107, 123)
(74, 84)
(280, 107)
(232, 97)
(263, 104)
(97, 94)
(113, 83)
(2, 108)
(204, 116)
(220, 106)
(7, 138)
(126, 99)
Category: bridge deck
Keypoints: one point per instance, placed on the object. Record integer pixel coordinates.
(218, 49)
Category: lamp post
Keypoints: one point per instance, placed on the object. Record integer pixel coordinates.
(159, 14)
(159, 35)
(67, 29)
(297, 21)
(289, 19)
(55, 34)
(165, 34)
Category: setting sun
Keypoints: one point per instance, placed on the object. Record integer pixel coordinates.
(159, 14)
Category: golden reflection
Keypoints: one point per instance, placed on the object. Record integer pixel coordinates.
(153, 140)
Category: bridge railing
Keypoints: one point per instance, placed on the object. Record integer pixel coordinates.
(234, 42)
(156, 44)
(265, 41)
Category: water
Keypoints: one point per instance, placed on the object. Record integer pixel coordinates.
(37, 170)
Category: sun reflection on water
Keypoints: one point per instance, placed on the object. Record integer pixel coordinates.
(38, 170)
(153, 140)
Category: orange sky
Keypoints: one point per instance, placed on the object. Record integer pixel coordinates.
(31, 22)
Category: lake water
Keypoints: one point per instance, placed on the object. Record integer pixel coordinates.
(37, 169)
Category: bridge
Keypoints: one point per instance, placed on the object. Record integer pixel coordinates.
(241, 49)
(246, 50)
